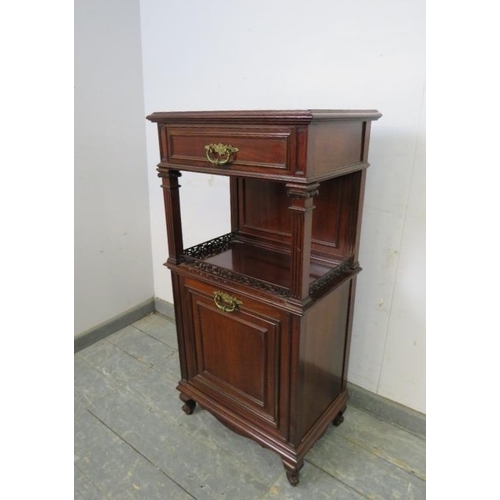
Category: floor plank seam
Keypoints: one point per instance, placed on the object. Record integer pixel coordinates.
(153, 337)
(370, 450)
(105, 495)
(163, 316)
(149, 365)
(90, 365)
(234, 460)
(151, 405)
(142, 455)
(172, 421)
(174, 380)
(380, 419)
(116, 389)
(140, 360)
(337, 479)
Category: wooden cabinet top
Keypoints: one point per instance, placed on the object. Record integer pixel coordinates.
(290, 117)
(291, 146)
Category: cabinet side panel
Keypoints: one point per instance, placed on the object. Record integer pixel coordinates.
(179, 323)
(333, 145)
(322, 346)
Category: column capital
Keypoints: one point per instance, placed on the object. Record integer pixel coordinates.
(167, 173)
(303, 191)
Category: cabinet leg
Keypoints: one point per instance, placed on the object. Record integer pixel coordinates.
(189, 405)
(340, 417)
(292, 471)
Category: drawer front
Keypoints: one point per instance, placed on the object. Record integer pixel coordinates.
(236, 354)
(262, 150)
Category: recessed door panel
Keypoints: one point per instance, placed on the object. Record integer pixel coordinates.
(233, 350)
(237, 355)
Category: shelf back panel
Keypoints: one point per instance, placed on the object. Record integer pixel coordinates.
(263, 215)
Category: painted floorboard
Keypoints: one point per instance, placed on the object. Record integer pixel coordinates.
(116, 468)
(112, 362)
(314, 485)
(385, 440)
(367, 473)
(132, 440)
(160, 328)
(194, 465)
(84, 488)
(144, 348)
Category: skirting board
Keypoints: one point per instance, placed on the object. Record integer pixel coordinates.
(368, 401)
(165, 308)
(387, 410)
(101, 331)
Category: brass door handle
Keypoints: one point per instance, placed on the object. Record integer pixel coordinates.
(223, 152)
(225, 302)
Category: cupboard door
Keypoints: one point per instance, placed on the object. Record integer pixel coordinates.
(236, 355)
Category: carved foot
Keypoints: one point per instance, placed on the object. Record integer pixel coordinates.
(189, 405)
(292, 472)
(293, 477)
(339, 418)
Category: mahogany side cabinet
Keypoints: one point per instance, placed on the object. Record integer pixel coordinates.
(264, 313)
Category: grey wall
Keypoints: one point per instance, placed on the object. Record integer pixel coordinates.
(113, 265)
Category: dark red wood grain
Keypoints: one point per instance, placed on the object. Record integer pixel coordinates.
(273, 367)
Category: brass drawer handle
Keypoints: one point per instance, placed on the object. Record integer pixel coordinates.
(225, 302)
(221, 150)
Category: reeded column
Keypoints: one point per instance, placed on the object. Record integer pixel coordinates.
(301, 210)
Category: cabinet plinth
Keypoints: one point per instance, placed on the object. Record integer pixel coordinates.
(264, 312)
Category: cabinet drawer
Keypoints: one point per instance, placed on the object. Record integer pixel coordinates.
(236, 354)
(266, 150)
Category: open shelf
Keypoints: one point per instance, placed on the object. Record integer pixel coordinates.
(255, 265)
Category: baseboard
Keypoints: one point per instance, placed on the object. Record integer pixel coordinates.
(165, 308)
(124, 319)
(387, 410)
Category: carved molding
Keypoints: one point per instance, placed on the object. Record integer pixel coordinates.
(305, 195)
(193, 257)
(167, 173)
(331, 276)
(302, 191)
(210, 247)
(226, 276)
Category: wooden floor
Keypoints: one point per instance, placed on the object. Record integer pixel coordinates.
(132, 441)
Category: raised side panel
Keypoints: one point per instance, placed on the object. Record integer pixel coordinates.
(179, 324)
(333, 145)
(321, 359)
(336, 215)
